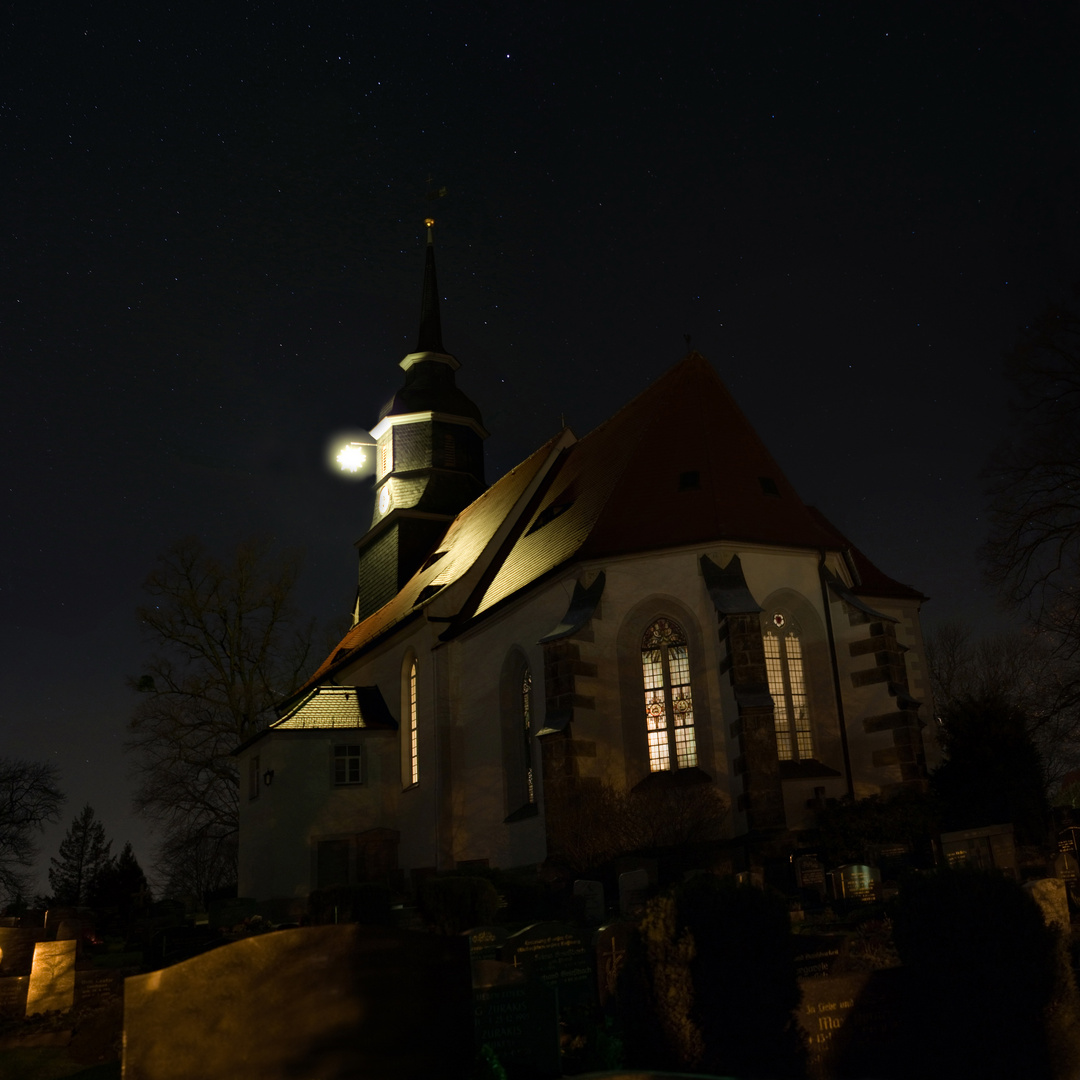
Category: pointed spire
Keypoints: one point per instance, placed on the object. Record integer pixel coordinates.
(430, 339)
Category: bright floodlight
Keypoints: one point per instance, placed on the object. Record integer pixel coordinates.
(352, 457)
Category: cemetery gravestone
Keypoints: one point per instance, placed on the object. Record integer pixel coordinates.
(989, 848)
(856, 882)
(52, 977)
(592, 894)
(345, 1001)
(612, 944)
(810, 873)
(517, 1017)
(485, 942)
(633, 887)
(560, 956)
(13, 992)
(17, 945)
(854, 1024)
(816, 955)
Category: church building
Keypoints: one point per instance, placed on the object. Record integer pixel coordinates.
(605, 612)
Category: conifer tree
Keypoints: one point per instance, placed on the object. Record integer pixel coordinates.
(84, 856)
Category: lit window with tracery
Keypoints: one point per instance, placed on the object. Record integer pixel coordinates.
(787, 685)
(526, 731)
(669, 707)
(414, 757)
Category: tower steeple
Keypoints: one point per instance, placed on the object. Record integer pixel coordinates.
(430, 336)
(429, 459)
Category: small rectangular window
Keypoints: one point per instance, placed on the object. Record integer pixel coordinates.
(386, 455)
(449, 452)
(347, 764)
(253, 777)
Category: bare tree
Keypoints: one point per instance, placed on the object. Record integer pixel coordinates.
(29, 797)
(1024, 670)
(229, 647)
(1033, 553)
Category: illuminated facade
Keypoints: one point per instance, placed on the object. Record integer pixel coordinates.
(730, 637)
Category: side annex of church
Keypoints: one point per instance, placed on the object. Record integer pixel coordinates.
(650, 604)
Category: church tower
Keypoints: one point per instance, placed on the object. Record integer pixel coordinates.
(429, 460)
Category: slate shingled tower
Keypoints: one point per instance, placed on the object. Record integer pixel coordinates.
(429, 460)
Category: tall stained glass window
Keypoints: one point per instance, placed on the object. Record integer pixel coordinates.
(669, 706)
(414, 762)
(787, 685)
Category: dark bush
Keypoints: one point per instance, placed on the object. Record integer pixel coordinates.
(990, 979)
(711, 984)
(454, 903)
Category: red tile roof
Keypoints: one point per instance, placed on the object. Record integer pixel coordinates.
(620, 485)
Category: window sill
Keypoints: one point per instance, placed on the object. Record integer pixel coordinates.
(529, 810)
(804, 770)
(673, 778)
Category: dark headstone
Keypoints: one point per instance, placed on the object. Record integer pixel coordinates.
(591, 894)
(816, 955)
(322, 1002)
(633, 888)
(612, 943)
(17, 946)
(560, 956)
(13, 992)
(810, 873)
(485, 942)
(55, 916)
(854, 1024)
(517, 1017)
(856, 881)
(989, 848)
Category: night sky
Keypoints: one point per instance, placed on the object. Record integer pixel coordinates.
(212, 252)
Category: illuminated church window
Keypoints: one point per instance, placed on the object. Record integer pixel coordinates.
(386, 455)
(526, 731)
(669, 707)
(787, 685)
(414, 757)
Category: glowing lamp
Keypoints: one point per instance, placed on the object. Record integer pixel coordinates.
(352, 457)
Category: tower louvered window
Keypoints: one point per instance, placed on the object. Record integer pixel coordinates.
(787, 685)
(669, 706)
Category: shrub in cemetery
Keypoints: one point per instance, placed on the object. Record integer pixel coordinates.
(453, 903)
(711, 984)
(995, 978)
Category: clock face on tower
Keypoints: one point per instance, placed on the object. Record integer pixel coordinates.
(384, 499)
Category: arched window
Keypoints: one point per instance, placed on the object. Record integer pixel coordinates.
(526, 732)
(787, 685)
(669, 707)
(414, 756)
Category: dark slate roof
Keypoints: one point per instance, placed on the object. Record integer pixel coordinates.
(465, 541)
(430, 387)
